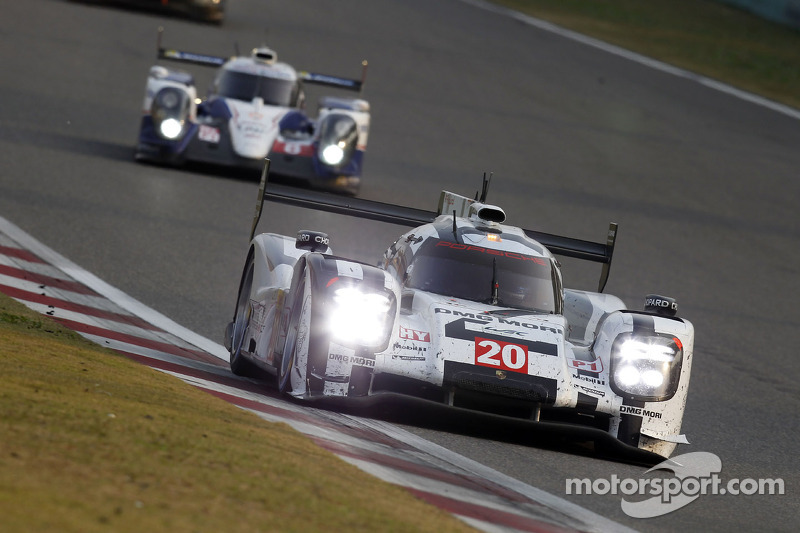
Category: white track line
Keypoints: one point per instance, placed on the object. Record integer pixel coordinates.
(638, 58)
(112, 293)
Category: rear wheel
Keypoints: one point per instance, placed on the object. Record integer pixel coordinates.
(241, 321)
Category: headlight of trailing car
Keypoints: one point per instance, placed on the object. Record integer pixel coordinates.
(646, 368)
(169, 110)
(337, 140)
(361, 317)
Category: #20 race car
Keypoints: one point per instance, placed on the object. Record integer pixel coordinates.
(255, 110)
(465, 311)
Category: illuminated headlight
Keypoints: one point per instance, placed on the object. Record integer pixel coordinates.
(170, 110)
(338, 136)
(170, 128)
(358, 317)
(333, 154)
(646, 368)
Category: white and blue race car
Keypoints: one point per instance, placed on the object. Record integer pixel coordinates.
(255, 109)
(462, 310)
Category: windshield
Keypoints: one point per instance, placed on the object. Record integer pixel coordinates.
(244, 86)
(467, 272)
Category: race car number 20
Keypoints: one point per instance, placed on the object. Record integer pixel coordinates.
(501, 355)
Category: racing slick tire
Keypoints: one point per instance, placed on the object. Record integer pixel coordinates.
(241, 321)
(305, 349)
(292, 331)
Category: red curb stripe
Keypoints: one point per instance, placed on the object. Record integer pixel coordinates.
(19, 253)
(160, 346)
(28, 296)
(487, 514)
(194, 372)
(465, 481)
(279, 412)
(47, 281)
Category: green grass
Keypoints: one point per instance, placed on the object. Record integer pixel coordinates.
(702, 36)
(91, 441)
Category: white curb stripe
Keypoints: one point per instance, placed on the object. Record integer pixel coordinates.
(115, 295)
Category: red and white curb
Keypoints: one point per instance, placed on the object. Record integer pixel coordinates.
(484, 498)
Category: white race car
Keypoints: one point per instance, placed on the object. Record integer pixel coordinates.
(255, 109)
(462, 310)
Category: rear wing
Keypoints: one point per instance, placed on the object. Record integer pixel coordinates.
(336, 81)
(217, 61)
(187, 57)
(412, 217)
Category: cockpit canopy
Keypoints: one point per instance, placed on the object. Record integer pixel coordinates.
(469, 272)
(269, 83)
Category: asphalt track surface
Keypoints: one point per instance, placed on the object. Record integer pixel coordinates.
(703, 184)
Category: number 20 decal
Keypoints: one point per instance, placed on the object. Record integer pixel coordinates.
(501, 355)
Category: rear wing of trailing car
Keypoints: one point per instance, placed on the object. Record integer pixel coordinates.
(186, 57)
(409, 216)
(336, 81)
(217, 61)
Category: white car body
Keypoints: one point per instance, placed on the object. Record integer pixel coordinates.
(556, 366)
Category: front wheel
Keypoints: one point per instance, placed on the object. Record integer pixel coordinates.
(296, 335)
(241, 322)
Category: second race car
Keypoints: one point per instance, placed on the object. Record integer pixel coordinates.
(462, 310)
(255, 109)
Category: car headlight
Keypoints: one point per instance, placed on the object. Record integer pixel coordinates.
(169, 111)
(332, 154)
(337, 139)
(646, 368)
(170, 128)
(360, 317)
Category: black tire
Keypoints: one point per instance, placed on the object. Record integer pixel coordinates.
(290, 346)
(241, 321)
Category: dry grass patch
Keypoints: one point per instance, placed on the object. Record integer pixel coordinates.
(91, 441)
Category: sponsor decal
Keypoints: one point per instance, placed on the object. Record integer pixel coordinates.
(658, 302)
(506, 332)
(595, 381)
(595, 367)
(293, 148)
(638, 411)
(480, 249)
(352, 359)
(593, 392)
(319, 239)
(409, 347)
(208, 134)
(503, 356)
(252, 130)
(414, 335)
(408, 357)
(492, 318)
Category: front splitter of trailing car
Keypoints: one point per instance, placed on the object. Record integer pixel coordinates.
(293, 169)
(420, 412)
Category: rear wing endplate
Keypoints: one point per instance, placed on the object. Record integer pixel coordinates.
(412, 217)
